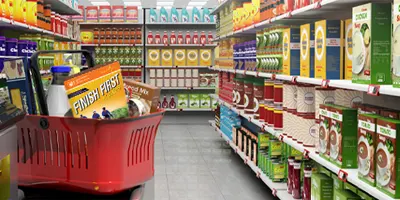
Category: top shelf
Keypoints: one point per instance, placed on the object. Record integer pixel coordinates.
(61, 7)
(220, 6)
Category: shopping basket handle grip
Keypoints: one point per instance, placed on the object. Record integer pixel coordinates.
(37, 80)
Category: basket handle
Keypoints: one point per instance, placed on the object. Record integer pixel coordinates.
(34, 68)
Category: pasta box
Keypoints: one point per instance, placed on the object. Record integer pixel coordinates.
(92, 13)
(307, 35)
(291, 51)
(117, 13)
(105, 13)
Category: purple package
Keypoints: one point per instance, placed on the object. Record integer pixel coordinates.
(23, 48)
(2, 46)
(11, 47)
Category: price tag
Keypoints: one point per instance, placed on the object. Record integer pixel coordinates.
(227, 142)
(133, 45)
(317, 5)
(373, 90)
(180, 110)
(274, 192)
(273, 77)
(263, 128)
(236, 149)
(325, 83)
(342, 175)
(245, 71)
(269, 20)
(257, 74)
(249, 119)
(166, 45)
(258, 174)
(211, 66)
(141, 66)
(281, 137)
(294, 79)
(234, 71)
(306, 153)
(289, 15)
(245, 161)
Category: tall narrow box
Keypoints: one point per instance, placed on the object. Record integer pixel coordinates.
(328, 49)
(307, 35)
(166, 57)
(348, 49)
(154, 57)
(179, 57)
(205, 57)
(291, 51)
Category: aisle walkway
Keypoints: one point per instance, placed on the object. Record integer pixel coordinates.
(193, 163)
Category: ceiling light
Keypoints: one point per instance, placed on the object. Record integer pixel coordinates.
(196, 3)
(131, 3)
(165, 3)
(100, 3)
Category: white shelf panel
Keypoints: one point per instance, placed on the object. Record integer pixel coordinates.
(61, 7)
(352, 173)
(10, 24)
(188, 88)
(111, 45)
(280, 188)
(177, 67)
(343, 84)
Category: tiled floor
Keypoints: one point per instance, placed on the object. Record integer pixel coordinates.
(193, 163)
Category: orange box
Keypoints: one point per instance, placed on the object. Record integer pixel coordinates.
(117, 13)
(97, 88)
(92, 14)
(105, 13)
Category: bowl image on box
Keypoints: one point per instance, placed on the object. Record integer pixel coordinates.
(396, 44)
(324, 124)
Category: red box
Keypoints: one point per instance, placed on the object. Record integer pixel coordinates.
(132, 14)
(81, 17)
(117, 13)
(92, 13)
(105, 13)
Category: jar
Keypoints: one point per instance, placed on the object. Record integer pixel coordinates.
(108, 32)
(127, 32)
(102, 39)
(47, 15)
(108, 39)
(102, 31)
(96, 39)
(114, 39)
(120, 39)
(53, 21)
(289, 174)
(248, 98)
(58, 24)
(139, 33)
(307, 183)
(95, 31)
(115, 31)
(132, 40)
(296, 187)
(121, 32)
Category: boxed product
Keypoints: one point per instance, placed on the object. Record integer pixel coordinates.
(92, 13)
(343, 136)
(205, 57)
(143, 98)
(117, 13)
(214, 103)
(372, 43)
(183, 100)
(366, 147)
(396, 44)
(345, 195)
(166, 57)
(154, 57)
(321, 187)
(328, 49)
(179, 57)
(324, 126)
(194, 100)
(387, 165)
(192, 58)
(104, 13)
(131, 13)
(205, 101)
(81, 17)
(291, 51)
(348, 49)
(307, 34)
(98, 89)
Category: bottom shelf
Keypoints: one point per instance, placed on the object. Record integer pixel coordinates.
(278, 189)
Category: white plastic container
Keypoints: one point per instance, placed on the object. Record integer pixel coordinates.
(57, 99)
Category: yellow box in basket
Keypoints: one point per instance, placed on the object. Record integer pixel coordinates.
(205, 57)
(96, 89)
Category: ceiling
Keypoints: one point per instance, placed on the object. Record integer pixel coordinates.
(154, 3)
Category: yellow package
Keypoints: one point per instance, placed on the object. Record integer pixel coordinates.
(87, 37)
(180, 57)
(205, 57)
(154, 57)
(5, 177)
(248, 17)
(348, 62)
(192, 57)
(256, 11)
(291, 52)
(31, 12)
(19, 10)
(98, 93)
(166, 57)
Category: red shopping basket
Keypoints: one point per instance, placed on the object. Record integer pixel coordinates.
(86, 155)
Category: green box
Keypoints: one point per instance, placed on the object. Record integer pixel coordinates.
(194, 100)
(214, 103)
(345, 195)
(183, 101)
(275, 148)
(343, 136)
(321, 187)
(205, 101)
(372, 37)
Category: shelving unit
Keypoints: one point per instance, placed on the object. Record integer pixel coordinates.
(61, 6)
(179, 24)
(351, 174)
(177, 67)
(181, 45)
(279, 189)
(111, 45)
(188, 88)
(189, 109)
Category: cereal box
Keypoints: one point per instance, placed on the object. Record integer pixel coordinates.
(92, 13)
(166, 57)
(348, 49)
(307, 50)
(205, 57)
(97, 92)
(179, 57)
(192, 57)
(117, 13)
(105, 13)
(154, 57)
(80, 17)
(291, 51)
(132, 14)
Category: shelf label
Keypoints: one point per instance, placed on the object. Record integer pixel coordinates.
(373, 90)
(294, 79)
(317, 5)
(180, 109)
(306, 154)
(258, 174)
(325, 83)
(281, 137)
(342, 175)
(263, 128)
(273, 77)
(250, 119)
(274, 192)
(236, 150)
(257, 74)
(289, 15)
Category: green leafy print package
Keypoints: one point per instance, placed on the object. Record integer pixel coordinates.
(324, 124)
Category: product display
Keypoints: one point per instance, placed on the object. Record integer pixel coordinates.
(114, 35)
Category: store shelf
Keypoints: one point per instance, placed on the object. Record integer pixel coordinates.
(188, 88)
(220, 7)
(324, 9)
(189, 109)
(61, 7)
(111, 23)
(13, 25)
(111, 45)
(181, 45)
(177, 67)
(343, 84)
(312, 154)
(10, 57)
(280, 189)
(174, 24)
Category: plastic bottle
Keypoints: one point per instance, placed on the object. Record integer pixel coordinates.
(165, 38)
(203, 38)
(165, 102)
(172, 103)
(195, 15)
(174, 15)
(150, 38)
(290, 171)
(185, 15)
(163, 15)
(307, 183)
(195, 38)
(296, 187)
(57, 100)
(180, 37)
(172, 38)
(153, 15)
(157, 39)
(210, 37)
(188, 38)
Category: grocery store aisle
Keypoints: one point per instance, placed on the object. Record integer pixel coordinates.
(193, 162)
